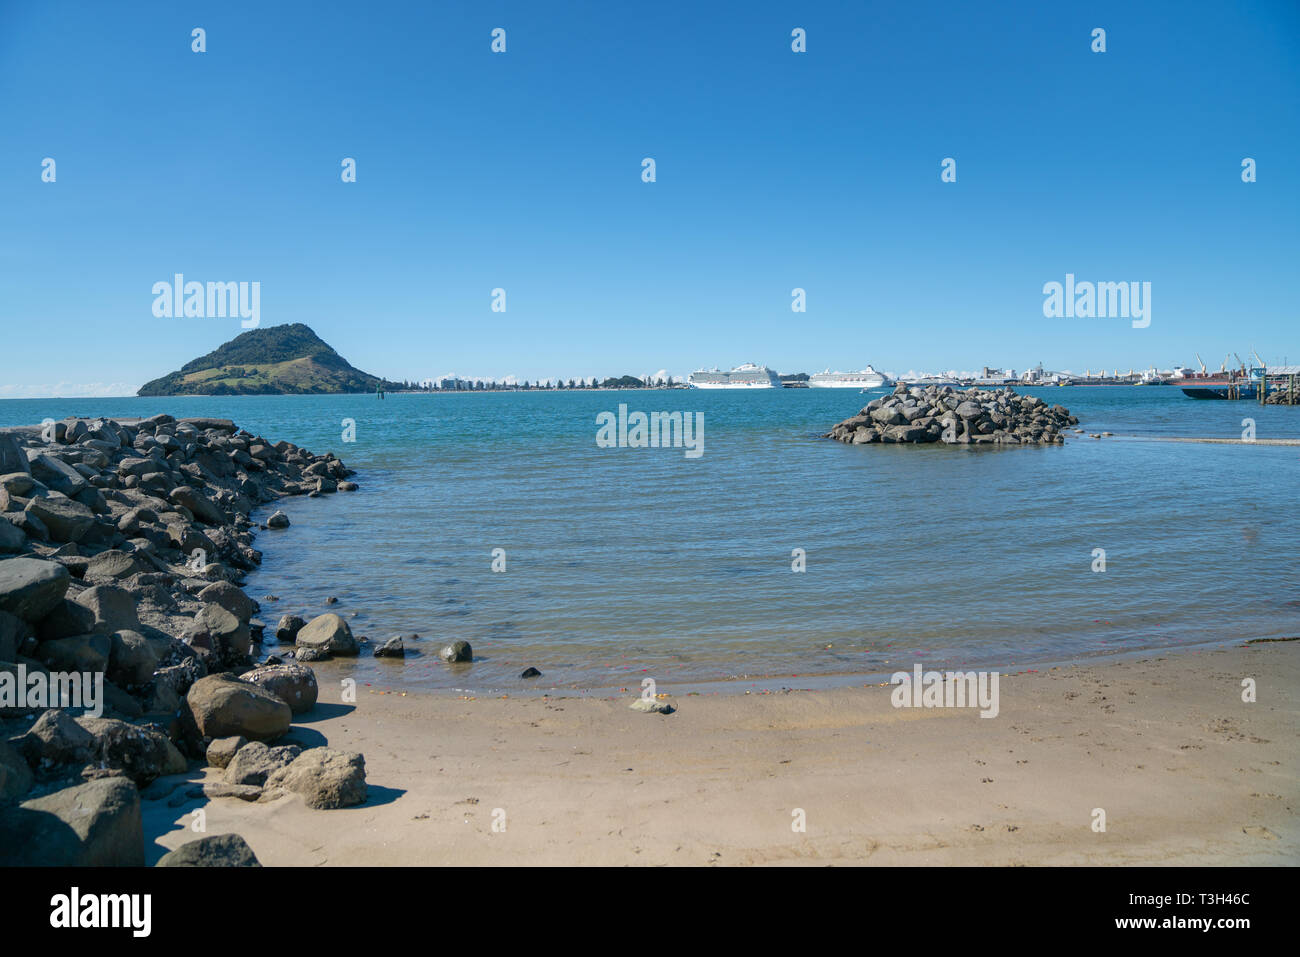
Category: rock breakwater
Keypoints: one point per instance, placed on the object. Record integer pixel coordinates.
(950, 416)
(123, 544)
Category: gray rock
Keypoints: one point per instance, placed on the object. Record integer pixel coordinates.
(103, 817)
(278, 520)
(115, 565)
(56, 739)
(887, 415)
(12, 459)
(17, 483)
(222, 750)
(220, 789)
(328, 633)
(392, 648)
(457, 651)
(217, 631)
(216, 850)
(230, 597)
(254, 762)
(143, 754)
(12, 538)
(56, 474)
(208, 424)
(132, 659)
(293, 683)
(203, 509)
(221, 706)
(113, 607)
(286, 632)
(31, 587)
(325, 778)
(27, 523)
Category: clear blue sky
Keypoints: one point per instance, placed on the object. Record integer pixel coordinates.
(523, 171)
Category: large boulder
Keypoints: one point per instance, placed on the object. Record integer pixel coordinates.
(219, 632)
(18, 483)
(114, 565)
(104, 815)
(144, 754)
(31, 587)
(132, 658)
(56, 474)
(293, 683)
(222, 706)
(203, 509)
(12, 458)
(216, 850)
(325, 778)
(113, 607)
(66, 520)
(230, 597)
(204, 424)
(328, 633)
(56, 739)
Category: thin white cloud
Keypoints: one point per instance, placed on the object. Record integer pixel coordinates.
(69, 390)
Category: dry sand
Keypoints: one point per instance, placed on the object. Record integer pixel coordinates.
(1186, 773)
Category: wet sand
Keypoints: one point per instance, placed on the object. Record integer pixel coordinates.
(1186, 772)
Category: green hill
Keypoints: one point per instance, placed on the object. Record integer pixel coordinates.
(277, 360)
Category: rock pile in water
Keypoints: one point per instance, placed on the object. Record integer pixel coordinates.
(121, 548)
(956, 417)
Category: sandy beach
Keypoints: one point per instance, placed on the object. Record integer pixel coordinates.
(1186, 772)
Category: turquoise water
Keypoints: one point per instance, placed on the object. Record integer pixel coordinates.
(624, 562)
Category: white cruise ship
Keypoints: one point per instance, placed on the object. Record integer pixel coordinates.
(747, 376)
(868, 378)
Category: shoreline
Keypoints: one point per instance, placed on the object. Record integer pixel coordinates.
(1186, 772)
(821, 681)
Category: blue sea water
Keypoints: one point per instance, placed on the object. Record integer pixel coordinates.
(623, 563)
